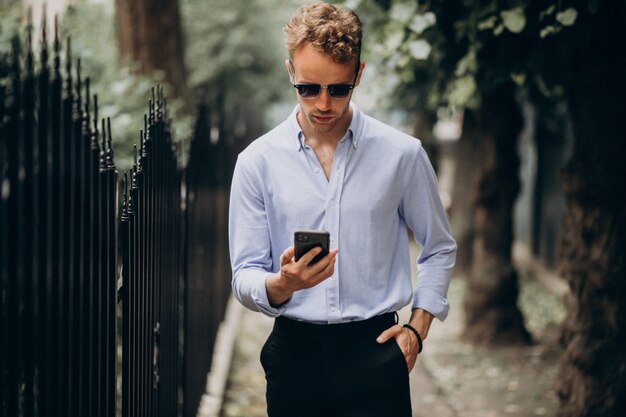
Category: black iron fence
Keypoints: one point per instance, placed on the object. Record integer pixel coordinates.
(58, 262)
(208, 171)
(67, 242)
(151, 272)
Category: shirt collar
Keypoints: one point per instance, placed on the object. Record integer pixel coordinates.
(353, 133)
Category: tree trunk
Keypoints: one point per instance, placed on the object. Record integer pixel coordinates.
(150, 35)
(423, 130)
(465, 176)
(492, 315)
(592, 380)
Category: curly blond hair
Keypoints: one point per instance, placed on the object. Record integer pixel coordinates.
(335, 31)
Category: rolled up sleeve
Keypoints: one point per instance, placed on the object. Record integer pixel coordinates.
(249, 237)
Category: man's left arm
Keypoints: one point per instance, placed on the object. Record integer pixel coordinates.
(424, 214)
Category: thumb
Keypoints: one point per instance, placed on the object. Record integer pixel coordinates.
(287, 255)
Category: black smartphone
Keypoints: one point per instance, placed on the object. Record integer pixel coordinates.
(305, 240)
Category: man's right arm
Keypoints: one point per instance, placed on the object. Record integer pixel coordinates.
(254, 283)
(250, 246)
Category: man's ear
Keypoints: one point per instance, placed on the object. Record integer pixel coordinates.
(289, 69)
(358, 77)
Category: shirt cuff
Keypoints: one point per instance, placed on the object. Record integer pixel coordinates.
(431, 301)
(262, 302)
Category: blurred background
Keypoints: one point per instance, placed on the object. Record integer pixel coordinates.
(519, 104)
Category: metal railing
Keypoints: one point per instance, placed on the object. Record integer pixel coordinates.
(71, 342)
(207, 181)
(58, 256)
(151, 272)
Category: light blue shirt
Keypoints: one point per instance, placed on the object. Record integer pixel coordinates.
(381, 183)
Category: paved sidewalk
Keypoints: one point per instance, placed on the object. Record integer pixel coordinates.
(452, 378)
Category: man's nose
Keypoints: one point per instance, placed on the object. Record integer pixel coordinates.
(323, 102)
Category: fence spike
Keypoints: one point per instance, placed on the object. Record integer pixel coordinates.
(95, 113)
(103, 146)
(43, 54)
(160, 96)
(110, 161)
(57, 48)
(68, 68)
(86, 112)
(151, 109)
(29, 43)
(78, 102)
(131, 201)
(68, 57)
(146, 137)
(134, 184)
(124, 216)
(94, 132)
(87, 99)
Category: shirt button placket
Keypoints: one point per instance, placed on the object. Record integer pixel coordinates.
(332, 221)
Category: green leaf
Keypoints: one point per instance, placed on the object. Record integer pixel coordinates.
(518, 78)
(403, 62)
(467, 64)
(421, 22)
(419, 49)
(498, 30)
(462, 91)
(567, 17)
(549, 30)
(514, 19)
(394, 40)
(402, 12)
(488, 23)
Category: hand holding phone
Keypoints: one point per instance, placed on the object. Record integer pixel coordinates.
(305, 240)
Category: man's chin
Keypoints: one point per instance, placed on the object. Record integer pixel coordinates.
(324, 124)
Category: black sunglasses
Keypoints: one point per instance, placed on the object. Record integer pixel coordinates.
(334, 90)
(313, 90)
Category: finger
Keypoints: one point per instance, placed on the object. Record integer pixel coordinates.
(320, 273)
(323, 264)
(308, 257)
(389, 333)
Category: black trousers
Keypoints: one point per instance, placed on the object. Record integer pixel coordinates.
(335, 370)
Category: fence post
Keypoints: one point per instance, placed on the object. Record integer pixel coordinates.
(59, 238)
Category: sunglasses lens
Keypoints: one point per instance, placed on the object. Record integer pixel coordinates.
(308, 90)
(339, 90)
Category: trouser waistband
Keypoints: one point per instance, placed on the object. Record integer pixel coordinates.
(375, 323)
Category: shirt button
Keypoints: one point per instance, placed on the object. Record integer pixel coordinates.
(317, 170)
(333, 309)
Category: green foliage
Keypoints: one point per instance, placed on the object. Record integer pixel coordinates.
(404, 40)
(123, 95)
(9, 24)
(234, 55)
(235, 52)
(450, 52)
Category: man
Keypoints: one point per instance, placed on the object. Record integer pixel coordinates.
(336, 348)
